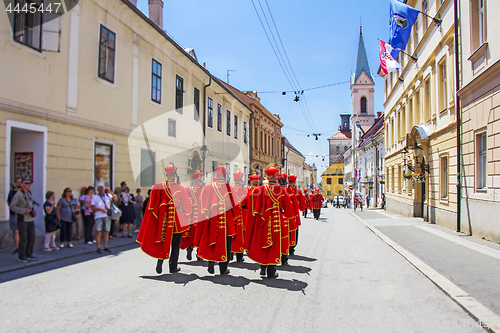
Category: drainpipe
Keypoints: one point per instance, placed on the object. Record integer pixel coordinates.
(205, 123)
(458, 112)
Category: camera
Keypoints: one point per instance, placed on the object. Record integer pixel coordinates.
(32, 213)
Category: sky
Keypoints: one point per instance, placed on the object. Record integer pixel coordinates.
(320, 38)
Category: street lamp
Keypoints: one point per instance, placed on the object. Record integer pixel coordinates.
(204, 152)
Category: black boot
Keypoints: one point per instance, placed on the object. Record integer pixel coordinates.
(189, 255)
(159, 263)
(211, 268)
(262, 270)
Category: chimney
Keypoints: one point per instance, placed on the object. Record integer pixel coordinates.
(379, 114)
(134, 2)
(156, 12)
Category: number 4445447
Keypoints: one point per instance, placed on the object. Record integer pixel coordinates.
(34, 8)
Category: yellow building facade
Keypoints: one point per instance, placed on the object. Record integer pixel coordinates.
(117, 102)
(333, 179)
(420, 112)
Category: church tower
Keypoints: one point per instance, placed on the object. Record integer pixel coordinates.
(362, 91)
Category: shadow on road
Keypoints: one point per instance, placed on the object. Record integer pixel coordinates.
(291, 285)
(301, 258)
(228, 280)
(41, 267)
(251, 266)
(296, 269)
(177, 278)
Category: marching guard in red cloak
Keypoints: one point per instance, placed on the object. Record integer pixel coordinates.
(264, 231)
(194, 193)
(301, 206)
(214, 234)
(290, 224)
(306, 198)
(317, 201)
(164, 221)
(239, 193)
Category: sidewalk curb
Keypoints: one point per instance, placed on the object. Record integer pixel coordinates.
(39, 263)
(483, 316)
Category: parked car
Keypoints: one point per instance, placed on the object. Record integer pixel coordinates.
(338, 199)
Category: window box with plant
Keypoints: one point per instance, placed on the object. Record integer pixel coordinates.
(382, 182)
(408, 175)
(419, 177)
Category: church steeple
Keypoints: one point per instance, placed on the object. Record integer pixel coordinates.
(362, 60)
(362, 87)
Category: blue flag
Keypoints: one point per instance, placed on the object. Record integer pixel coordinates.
(402, 19)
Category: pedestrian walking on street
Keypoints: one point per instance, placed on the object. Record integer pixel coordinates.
(100, 204)
(368, 201)
(127, 207)
(22, 205)
(67, 207)
(12, 215)
(88, 215)
(52, 223)
(139, 199)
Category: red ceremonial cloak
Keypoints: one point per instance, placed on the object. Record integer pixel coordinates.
(165, 215)
(301, 206)
(239, 195)
(216, 218)
(194, 193)
(317, 200)
(264, 230)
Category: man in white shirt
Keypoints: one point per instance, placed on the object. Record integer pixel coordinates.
(100, 203)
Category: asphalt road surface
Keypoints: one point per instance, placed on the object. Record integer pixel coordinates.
(343, 278)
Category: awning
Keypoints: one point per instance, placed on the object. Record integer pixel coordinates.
(422, 131)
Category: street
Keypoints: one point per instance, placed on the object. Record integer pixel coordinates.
(343, 278)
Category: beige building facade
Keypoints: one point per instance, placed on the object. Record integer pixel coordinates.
(119, 101)
(420, 112)
(480, 126)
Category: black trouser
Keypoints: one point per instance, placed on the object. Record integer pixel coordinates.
(88, 225)
(292, 248)
(316, 213)
(174, 253)
(112, 226)
(305, 213)
(271, 269)
(223, 265)
(66, 231)
(26, 239)
(239, 256)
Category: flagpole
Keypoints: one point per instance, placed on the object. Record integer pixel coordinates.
(402, 51)
(436, 20)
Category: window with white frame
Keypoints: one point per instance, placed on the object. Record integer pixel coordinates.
(442, 86)
(219, 117)
(156, 82)
(235, 126)
(179, 94)
(27, 23)
(107, 48)
(481, 161)
(148, 167)
(196, 104)
(245, 132)
(210, 112)
(444, 177)
(171, 128)
(228, 123)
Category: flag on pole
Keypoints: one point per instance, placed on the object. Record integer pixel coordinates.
(387, 62)
(402, 19)
(359, 176)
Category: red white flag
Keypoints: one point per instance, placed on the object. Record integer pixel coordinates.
(387, 62)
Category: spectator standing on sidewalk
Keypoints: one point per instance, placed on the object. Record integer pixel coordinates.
(126, 206)
(145, 204)
(368, 201)
(22, 205)
(66, 209)
(88, 214)
(52, 224)
(12, 215)
(100, 203)
(139, 199)
(117, 192)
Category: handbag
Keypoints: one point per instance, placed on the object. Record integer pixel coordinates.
(52, 223)
(114, 212)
